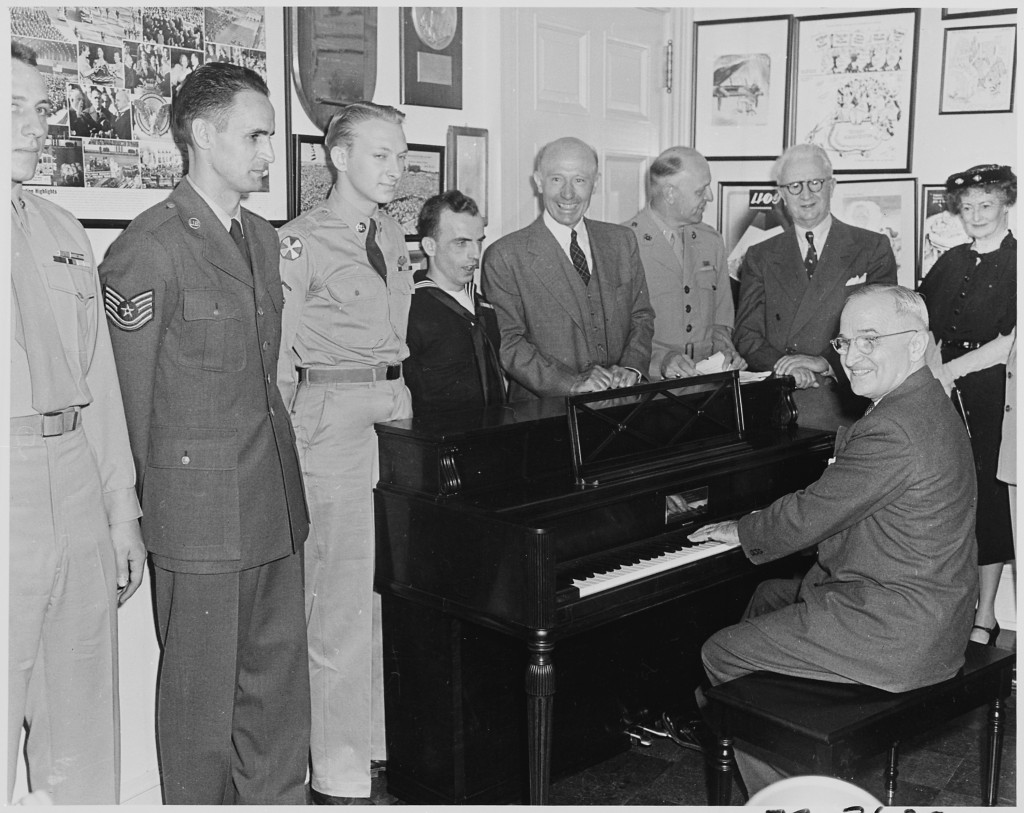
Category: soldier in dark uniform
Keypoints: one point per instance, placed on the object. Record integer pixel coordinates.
(453, 331)
(193, 294)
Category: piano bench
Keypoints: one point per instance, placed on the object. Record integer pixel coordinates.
(815, 727)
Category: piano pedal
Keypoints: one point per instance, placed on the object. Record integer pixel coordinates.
(636, 734)
(689, 735)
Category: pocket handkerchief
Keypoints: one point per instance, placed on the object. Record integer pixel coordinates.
(857, 280)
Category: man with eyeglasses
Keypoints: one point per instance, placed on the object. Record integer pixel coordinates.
(793, 287)
(889, 600)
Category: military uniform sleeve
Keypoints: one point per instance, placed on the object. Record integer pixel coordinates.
(750, 335)
(725, 312)
(637, 352)
(297, 268)
(519, 356)
(136, 265)
(104, 423)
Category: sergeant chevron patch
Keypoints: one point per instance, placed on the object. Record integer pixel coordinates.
(128, 314)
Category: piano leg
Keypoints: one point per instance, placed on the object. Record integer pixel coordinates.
(540, 692)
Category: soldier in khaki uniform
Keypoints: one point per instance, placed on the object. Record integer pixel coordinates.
(684, 261)
(348, 289)
(75, 547)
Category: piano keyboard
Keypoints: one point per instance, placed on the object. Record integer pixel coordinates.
(618, 575)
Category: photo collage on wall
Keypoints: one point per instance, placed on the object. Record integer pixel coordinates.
(112, 74)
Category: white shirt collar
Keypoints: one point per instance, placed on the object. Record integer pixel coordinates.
(224, 217)
(563, 234)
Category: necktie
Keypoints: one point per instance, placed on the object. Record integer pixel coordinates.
(579, 259)
(239, 238)
(811, 260)
(373, 252)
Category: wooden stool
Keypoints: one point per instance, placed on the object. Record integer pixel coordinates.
(815, 727)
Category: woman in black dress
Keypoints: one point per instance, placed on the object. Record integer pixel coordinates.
(971, 293)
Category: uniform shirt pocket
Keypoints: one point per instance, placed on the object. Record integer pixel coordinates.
(190, 495)
(212, 331)
(359, 315)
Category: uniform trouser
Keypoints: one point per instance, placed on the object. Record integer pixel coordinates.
(233, 690)
(62, 668)
(338, 454)
(742, 648)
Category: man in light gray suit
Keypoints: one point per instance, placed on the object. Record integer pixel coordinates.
(569, 292)
(889, 600)
(794, 285)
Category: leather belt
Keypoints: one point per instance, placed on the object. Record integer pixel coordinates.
(350, 375)
(50, 424)
(962, 345)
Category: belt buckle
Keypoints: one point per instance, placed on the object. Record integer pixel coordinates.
(63, 415)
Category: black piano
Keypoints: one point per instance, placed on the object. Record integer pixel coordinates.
(547, 539)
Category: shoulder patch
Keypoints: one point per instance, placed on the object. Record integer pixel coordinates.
(128, 314)
(291, 248)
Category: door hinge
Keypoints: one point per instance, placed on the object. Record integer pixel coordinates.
(668, 66)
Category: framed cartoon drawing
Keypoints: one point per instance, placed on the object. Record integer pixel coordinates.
(854, 88)
(740, 94)
(979, 68)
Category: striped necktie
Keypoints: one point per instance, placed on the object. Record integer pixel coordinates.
(579, 259)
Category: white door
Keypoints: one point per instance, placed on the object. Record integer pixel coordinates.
(594, 73)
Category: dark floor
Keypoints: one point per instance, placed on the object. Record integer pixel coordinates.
(940, 768)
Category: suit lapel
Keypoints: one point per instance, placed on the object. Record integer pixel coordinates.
(788, 268)
(553, 269)
(218, 247)
(832, 271)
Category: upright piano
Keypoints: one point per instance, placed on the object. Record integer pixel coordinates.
(550, 537)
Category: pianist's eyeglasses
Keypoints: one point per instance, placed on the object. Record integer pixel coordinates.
(864, 344)
(797, 187)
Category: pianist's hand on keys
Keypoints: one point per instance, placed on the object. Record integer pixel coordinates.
(717, 531)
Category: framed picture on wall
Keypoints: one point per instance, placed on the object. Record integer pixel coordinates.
(955, 13)
(740, 90)
(467, 164)
(854, 88)
(312, 176)
(979, 69)
(748, 213)
(431, 51)
(423, 178)
(98, 57)
(940, 228)
(888, 207)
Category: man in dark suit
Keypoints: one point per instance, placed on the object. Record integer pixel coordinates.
(793, 287)
(123, 119)
(889, 600)
(453, 331)
(194, 298)
(569, 292)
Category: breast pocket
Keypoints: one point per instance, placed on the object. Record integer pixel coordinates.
(212, 331)
(360, 305)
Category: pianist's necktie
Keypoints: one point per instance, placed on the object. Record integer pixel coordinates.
(240, 241)
(373, 252)
(579, 259)
(811, 260)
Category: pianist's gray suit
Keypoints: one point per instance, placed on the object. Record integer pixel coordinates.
(889, 601)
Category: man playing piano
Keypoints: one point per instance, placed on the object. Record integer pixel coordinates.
(889, 600)
(569, 292)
